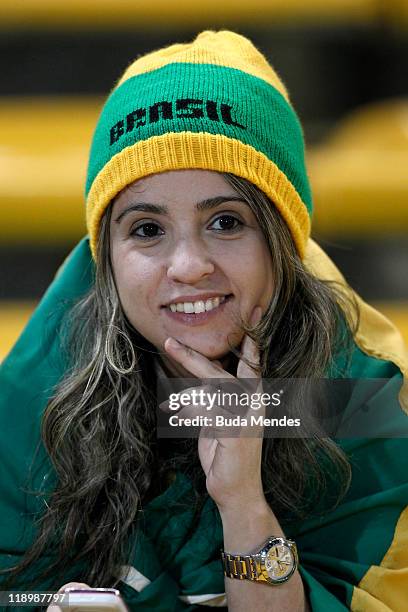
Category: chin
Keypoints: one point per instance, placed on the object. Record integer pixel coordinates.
(213, 350)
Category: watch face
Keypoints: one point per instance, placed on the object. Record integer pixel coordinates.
(279, 562)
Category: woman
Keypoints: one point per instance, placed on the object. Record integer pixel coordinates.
(198, 198)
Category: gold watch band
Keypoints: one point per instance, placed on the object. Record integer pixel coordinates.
(242, 567)
(259, 566)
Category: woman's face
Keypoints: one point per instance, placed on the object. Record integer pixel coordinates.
(184, 237)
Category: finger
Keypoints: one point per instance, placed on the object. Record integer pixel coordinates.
(250, 352)
(193, 361)
(72, 585)
(198, 397)
(189, 410)
(228, 394)
(210, 420)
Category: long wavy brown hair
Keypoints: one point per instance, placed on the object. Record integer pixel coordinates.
(99, 426)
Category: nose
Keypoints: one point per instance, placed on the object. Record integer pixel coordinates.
(190, 261)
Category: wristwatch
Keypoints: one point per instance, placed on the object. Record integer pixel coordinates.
(274, 563)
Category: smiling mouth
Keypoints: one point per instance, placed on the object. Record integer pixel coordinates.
(197, 307)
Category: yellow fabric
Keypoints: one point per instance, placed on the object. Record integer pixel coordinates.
(176, 151)
(384, 588)
(376, 335)
(209, 47)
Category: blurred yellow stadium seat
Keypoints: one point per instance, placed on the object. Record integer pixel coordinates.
(359, 175)
(124, 13)
(44, 145)
(396, 12)
(13, 317)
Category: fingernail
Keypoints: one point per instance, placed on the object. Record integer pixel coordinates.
(173, 343)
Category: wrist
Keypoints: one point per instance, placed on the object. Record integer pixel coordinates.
(236, 507)
(246, 527)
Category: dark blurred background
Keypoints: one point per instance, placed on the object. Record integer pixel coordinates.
(344, 63)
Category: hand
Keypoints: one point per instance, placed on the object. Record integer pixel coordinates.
(79, 585)
(232, 465)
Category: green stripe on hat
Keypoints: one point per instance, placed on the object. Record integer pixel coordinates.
(202, 98)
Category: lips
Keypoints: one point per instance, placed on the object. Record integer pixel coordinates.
(195, 298)
(200, 318)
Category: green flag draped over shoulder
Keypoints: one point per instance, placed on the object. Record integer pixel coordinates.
(354, 557)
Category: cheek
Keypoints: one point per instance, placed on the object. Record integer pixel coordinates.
(135, 280)
(255, 275)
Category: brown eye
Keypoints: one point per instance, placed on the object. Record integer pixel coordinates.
(226, 223)
(149, 231)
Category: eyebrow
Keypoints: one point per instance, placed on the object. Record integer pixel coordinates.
(160, 209)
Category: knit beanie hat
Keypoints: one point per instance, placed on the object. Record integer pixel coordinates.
(214, 104)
